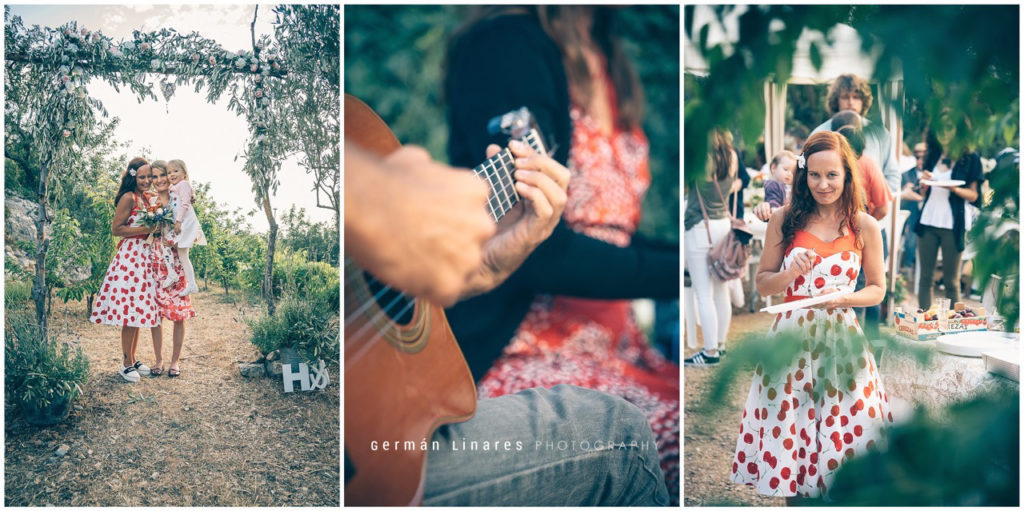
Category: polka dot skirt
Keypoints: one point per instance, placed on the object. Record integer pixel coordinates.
(800, 425)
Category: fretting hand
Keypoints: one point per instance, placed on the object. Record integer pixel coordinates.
(541, 183)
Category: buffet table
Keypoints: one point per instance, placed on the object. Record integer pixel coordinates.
(945, 379)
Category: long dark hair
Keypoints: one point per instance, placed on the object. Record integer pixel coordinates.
(803, 204)
(128, 182)
(933, 150)
(723, 156)
(559, 22)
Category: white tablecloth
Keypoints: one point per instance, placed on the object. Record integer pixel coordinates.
(945, 380)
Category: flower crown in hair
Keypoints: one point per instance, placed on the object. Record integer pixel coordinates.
(132, 172)
(801, 162)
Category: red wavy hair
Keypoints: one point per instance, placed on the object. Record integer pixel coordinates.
(851, 202)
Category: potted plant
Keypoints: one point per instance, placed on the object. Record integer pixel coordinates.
(43, 376)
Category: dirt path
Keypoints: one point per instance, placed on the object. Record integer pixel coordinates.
(709, 442)
(207, 438)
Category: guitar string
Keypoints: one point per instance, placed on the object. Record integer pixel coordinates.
(480, 169)
(500, 157)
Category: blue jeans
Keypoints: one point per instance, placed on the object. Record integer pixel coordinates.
(564, 446)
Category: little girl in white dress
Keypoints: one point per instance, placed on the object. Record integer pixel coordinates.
(187, 231)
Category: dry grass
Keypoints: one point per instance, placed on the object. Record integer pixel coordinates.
(207, 438)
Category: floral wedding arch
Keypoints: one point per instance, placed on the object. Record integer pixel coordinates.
(297, 72)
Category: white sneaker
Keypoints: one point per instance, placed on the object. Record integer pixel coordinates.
(169, 281)
(189, 290)
(142, 369)
(129, 374)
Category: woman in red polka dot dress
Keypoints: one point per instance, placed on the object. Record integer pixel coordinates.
(126, 296)
(799, 425)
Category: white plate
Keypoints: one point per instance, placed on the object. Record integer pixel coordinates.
(806, 302)
(972, 344)
(945, 183)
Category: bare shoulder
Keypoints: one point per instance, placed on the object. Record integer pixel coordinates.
(126, 201)
(868, 225)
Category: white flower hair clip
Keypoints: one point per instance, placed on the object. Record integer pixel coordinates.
(132, 172)
(801, 162)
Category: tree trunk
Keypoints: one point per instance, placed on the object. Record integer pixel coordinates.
(337, 218)
(88, 306)
(39, 290)
(268, 272)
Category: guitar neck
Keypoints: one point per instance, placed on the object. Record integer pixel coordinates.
(497, 171)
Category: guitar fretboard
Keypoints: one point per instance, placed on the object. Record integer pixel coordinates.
(497, 172)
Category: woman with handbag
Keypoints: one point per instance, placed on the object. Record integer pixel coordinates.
(708, 224)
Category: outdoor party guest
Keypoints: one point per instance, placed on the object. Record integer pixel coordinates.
(187, 231)
(562, 413)
(777, 189)
(736, 208)
(943, 217)
(792, 439)
(706, 222)
(851, 92)
(171, 303)
(911, 201)
(125, 297)
(876, 192)
(563, 317)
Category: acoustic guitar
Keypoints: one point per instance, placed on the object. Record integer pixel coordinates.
(404, 372)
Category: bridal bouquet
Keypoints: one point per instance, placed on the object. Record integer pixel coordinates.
(159, 217)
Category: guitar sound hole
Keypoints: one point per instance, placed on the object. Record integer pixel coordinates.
(398, 307)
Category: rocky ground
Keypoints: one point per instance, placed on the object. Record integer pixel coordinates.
(207, 438)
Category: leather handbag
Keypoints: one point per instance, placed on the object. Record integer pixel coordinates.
(728, 258)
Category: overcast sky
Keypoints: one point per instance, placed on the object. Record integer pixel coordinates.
(206, 136)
